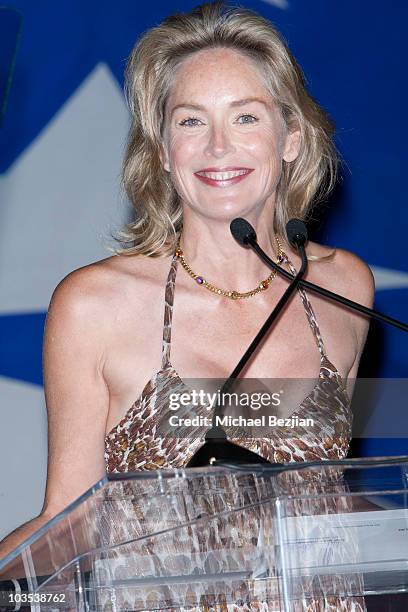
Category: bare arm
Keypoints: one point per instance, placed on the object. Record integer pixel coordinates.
(16, 537)
(76, 395)
(357, 284)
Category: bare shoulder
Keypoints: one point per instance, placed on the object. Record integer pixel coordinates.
(350, 276)
(92, 303)
(354, 277)
(344, 272)
(98, 286)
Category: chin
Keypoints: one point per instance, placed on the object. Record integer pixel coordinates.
(228, 210)
(243, 209)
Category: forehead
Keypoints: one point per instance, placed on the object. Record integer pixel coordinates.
(217, 73)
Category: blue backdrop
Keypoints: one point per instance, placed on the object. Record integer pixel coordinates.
(353, 55)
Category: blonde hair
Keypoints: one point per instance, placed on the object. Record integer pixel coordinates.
(149, 75)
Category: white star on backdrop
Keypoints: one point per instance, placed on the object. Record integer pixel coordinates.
(60, 198)
(389, 279)
(282, 4)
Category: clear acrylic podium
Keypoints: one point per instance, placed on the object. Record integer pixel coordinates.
(208, 538)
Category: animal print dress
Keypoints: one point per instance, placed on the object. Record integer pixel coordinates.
(135, 444)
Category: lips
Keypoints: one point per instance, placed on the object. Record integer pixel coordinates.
(222, 177)
(223, 169)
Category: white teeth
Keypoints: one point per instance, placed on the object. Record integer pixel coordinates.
(222, 176)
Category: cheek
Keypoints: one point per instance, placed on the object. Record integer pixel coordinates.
(182, 151)
(266, 153)
(264, 143)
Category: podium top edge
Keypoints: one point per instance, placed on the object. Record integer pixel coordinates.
(225, 467)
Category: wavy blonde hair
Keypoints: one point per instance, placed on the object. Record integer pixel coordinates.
(149, 76)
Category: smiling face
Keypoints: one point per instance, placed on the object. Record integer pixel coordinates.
(224, 137)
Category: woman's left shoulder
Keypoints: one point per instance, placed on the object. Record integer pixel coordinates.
(355, 277)
(346, 272)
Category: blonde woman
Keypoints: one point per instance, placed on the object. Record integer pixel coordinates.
(222, 127)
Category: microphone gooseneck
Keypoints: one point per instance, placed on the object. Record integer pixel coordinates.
(311, 286)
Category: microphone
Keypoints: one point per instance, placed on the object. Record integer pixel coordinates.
(242, 231)
(296, 232)
(217, 448)
(245, 234)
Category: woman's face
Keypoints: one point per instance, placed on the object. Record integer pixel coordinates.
(215, 129)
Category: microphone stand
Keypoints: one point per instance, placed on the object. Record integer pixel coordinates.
(217, 449)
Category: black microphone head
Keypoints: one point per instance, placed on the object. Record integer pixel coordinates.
(242, 231)
(296, 232)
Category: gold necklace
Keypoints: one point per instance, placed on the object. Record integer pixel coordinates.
(234, 295)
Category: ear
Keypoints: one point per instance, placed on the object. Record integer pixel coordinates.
(164, 157)
(292, 146)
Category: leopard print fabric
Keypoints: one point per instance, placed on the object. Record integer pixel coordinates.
(136, 443)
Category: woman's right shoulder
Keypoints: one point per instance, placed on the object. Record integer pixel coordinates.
(98, 285)
(89, 304)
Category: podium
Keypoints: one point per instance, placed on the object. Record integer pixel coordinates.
(279, 538)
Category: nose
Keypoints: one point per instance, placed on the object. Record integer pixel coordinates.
(219, 142)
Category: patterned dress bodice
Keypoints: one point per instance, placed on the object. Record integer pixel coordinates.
(135, 442)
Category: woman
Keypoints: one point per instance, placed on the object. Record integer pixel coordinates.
(223, 127)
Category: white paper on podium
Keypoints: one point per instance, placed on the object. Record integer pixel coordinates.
(364, 541)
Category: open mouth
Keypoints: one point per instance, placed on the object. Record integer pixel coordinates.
(223, 178)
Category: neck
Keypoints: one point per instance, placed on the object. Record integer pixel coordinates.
(211, 251)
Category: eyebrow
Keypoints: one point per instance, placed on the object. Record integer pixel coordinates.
(233, 104)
